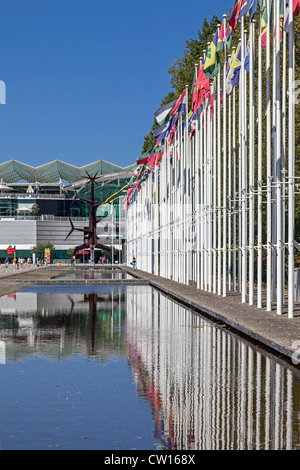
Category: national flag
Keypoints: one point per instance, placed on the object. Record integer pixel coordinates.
(264, 21)
(245, 7)
(247, 57)
(228, 77)
(161, 131)
(201, 90)
(296, 8)
(253, 11)
(145, 158)
(194, 81)
(234, 17)
(228, 36)
(163, 112)
(211, 65)
(180, 105)
(236, 67)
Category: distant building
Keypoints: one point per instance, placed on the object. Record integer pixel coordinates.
(36, 203)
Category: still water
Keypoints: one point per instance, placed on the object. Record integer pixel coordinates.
(100, 274)
(120, 368)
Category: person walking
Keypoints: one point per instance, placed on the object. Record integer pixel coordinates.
(134, 263)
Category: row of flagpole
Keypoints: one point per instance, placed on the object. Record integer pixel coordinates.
(214, 203)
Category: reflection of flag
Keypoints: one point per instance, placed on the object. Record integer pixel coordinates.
(211, 65)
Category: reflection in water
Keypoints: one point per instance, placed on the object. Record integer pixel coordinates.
(207, 388)
(100, 274)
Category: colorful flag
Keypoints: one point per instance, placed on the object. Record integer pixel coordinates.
(201, 90)
(180, 106)
(264, 20)
(253, 11)
(245, 7)
(236, 67)
(145, 158)
(296, 10)
(296, 7)
(247, 57)
(234, 17)
(211, 65)
(228, 36)
(163, 112)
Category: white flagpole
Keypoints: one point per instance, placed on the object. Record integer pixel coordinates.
(214, 191)
(219, 187)
(244, 168)
(234, 190)
(291, 165)
(251, 163)
(224, 171)
(187, 198)
(259, 171)
(269, 165)
(278, 159)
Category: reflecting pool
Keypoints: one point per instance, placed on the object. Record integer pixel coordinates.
(126, 367)
(98, 273)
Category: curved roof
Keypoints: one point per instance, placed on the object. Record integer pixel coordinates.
(13, 171)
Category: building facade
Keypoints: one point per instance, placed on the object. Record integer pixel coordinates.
(36, 205)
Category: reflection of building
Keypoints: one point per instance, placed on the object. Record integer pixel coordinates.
(207, 388)
(35, 205)
(60, 325)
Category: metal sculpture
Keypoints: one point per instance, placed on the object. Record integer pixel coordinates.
(91, 230)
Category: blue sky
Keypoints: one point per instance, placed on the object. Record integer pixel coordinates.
(84, 77)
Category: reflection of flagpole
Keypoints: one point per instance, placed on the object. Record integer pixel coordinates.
(291, 164)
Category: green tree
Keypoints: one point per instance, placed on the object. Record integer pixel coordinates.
(39, 248)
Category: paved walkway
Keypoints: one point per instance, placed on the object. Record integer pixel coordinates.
(274, 331)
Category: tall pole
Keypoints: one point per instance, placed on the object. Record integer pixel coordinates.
(224, 171)
(269, 172)
(278, 160)
(251, 164)
(291, 165)
(259, 170)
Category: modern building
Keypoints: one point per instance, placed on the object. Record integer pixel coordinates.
(36, 203)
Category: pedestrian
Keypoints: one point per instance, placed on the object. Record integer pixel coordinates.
(6, 262)
(133, 263)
